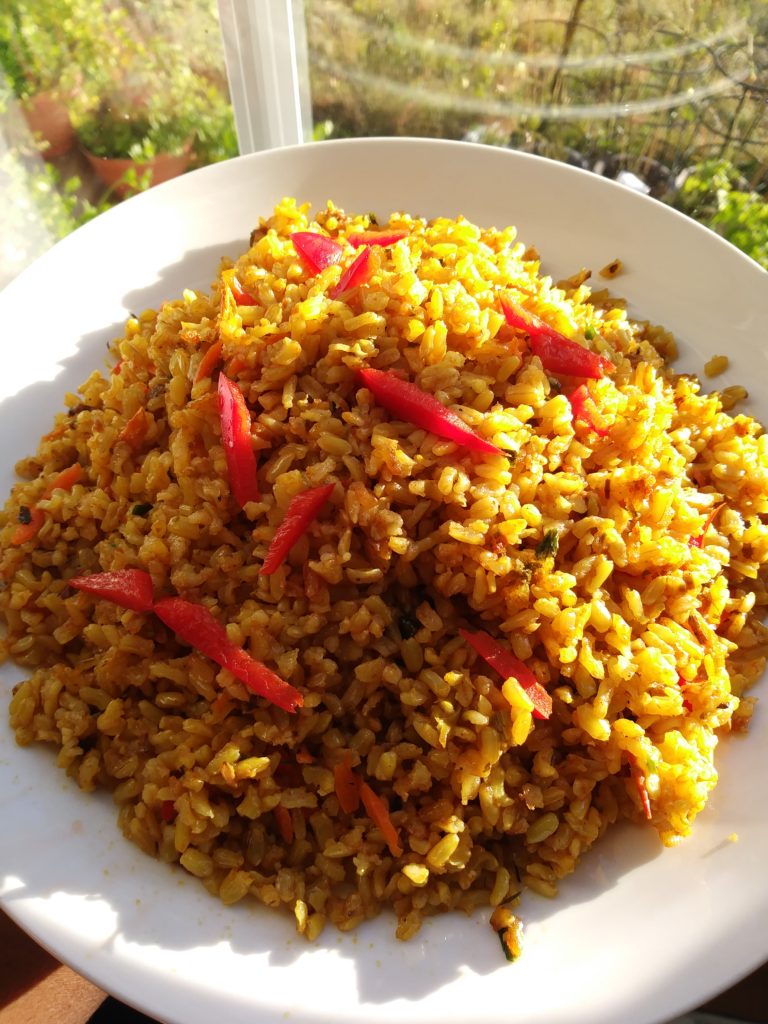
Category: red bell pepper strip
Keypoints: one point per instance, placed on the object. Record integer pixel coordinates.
(207, 364)
(379, 815)
(284, 823)
(301, 512)
(578, 400)
(697, 542)
(507, 665)
(130, 588)
(135, 430)
(30, 528)
(240, 295)
(236, 437)
(316, 251)
(682, 683)
(167, 811)
(65, 480)
(409, 403)
(347, 785)
(197, 627)
(557, 353)
(642, 790)
(357, 273)
(382, 238)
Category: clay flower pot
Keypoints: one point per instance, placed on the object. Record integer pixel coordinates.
(47, 116)
(163, 167)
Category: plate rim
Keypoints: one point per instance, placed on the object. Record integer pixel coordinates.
(82, 235)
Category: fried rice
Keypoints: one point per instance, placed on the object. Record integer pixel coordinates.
(622, 561)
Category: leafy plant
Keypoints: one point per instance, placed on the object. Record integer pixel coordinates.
(714, 193)
(137, 136)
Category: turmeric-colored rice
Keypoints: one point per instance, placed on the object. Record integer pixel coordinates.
(584, 553)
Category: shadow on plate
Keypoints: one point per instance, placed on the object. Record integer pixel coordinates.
(31, 410)
(191, 918)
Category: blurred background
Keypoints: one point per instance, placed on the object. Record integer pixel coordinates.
(100, 99)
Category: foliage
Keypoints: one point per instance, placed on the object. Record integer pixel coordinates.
(140, 78)
(711, 194)
(137, 136)
(38, 50)
(649, 86)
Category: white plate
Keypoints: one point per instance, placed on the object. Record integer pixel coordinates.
(639, 934)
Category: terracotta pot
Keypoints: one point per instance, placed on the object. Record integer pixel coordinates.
(47, 116)
(165, 166)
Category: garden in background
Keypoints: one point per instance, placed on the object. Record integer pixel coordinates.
(669, 96)
(99, 98)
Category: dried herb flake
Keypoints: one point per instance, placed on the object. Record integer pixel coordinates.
(25, 515)
(142, 509)
(408, 626)
(547, 546)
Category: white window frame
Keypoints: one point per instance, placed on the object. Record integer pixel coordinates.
(265, 50)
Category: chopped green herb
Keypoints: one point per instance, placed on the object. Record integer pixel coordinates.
(555, 385)
(547, 546)
(25, 516)
(142, 509)
(373, 219)
(408, 626)
(590, 333)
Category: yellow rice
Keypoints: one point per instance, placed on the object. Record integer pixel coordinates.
(419, 539)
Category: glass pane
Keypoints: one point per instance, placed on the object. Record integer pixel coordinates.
(670, 97)
(100, 99)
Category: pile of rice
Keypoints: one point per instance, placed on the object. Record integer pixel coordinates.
(573, 550)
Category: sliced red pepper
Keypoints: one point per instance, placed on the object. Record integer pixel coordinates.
(211, 357)
(284, 823)
(697, 542)
(56, 432)
(236, 437)
(317, 251)
(196, 626)
(130, 588)
(382, 238)
(507, 665)
(579, 399)
(346, 785)
(240, 295)
(135, 430)
(301, 513)
(167, 811)
(357, 273)
(409, 403)
(29, 530)
(379, 815)
(66, 479)
(682, 683)
(557, 353)
(303, 756)
(117, 367)
(642, 790)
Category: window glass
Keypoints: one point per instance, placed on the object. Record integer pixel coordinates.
(668, 96)
(99, 99)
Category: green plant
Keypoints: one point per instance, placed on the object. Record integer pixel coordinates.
(42, 45)
(139, 136)
(713, 193)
